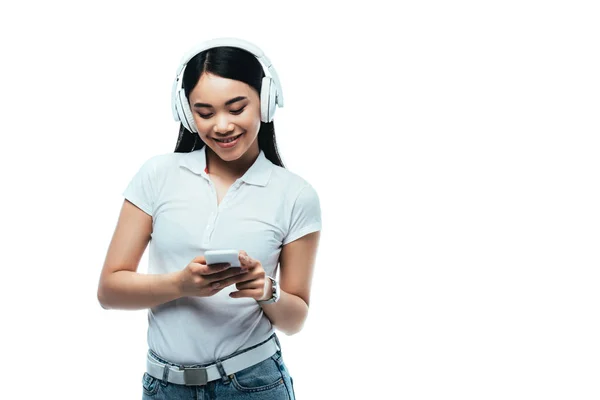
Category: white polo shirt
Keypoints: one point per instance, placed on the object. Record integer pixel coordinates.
(263, 210)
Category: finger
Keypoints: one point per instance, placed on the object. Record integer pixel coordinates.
(254, 293)
(229, 281)
(195, 267)
(246, 260)
(243, 257)
(199, 260)
(215, 290)
(218, 265)
(213, 268)
(250, 284)
(228, 273)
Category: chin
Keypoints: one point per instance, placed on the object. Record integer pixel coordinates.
(233, 156)
(230, 154)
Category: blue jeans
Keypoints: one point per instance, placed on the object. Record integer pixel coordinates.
(267, 380)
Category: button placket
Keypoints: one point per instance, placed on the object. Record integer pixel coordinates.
(212, 219)
(230, 195)
(210, 226)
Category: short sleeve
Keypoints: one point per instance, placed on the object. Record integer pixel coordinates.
(141, 188)
(306, 215)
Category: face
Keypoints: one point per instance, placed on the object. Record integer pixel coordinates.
(226, 109)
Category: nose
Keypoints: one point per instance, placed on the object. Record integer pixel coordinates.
(222, 124)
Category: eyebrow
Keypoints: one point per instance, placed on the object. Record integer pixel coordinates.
(228, 102)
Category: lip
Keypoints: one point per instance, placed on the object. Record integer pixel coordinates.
(229, 145)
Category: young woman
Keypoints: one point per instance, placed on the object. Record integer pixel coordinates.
(211, 328)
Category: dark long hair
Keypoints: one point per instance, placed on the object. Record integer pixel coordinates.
(230, 63)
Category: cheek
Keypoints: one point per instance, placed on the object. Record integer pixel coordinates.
(255, 126)
(252, 123)
(204, 128)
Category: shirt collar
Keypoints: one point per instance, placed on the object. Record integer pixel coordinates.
(258, 173)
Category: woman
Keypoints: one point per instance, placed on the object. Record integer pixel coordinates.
(212, 328)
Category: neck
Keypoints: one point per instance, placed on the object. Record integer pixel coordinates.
(231, 170)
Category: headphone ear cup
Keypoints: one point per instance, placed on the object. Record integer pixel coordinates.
(185, 114)
(180, 113)
(267, 100)
(272, 101)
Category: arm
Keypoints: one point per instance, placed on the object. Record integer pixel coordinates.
(296, 263)
(120, 286)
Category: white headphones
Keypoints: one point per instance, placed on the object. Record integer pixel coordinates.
(270, 94)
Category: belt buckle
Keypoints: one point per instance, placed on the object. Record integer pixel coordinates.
(195, 376)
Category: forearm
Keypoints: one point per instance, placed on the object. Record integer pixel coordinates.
(288, 314)
(127, 290)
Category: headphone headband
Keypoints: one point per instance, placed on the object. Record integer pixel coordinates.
(229, 42)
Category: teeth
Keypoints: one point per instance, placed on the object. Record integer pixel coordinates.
(229, 140)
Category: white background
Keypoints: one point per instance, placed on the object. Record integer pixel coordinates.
(454, 146)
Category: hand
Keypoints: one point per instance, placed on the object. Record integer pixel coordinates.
(198, 279)
(254, 284)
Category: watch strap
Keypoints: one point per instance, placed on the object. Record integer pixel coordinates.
(275, 291)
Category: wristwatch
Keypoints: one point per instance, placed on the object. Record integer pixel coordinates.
(275, 297)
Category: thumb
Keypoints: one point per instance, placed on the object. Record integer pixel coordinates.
(243, 256)
(199, 260)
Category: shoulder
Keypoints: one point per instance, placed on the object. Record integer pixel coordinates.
(301, 204)
(289, 181)
(293, 187)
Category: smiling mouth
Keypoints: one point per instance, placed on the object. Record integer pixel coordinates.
(228, 140)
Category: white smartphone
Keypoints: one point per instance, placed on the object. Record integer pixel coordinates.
(222, 257)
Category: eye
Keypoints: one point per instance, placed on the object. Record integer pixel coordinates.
(238, 111)
(205, 116)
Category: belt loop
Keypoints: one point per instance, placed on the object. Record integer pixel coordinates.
(277, 341)
(165, 378)
(224, 376)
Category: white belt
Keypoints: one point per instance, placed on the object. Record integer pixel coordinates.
(201, 376)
